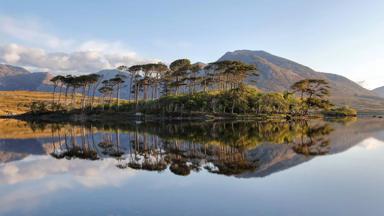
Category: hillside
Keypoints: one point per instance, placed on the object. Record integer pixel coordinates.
(379, 91)
(17, 78)
(38, 81)
(278, 74)
(9, 70)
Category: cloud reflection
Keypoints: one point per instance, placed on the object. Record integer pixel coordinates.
(36, 177)
(371, 144)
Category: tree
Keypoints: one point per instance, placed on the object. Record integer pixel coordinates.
(229, 74)
(62, 83)
(193, 78)
(68, 80)
(165, 83)
(132, 73)
(160, 71)
(147, 78)
(83, 82)
(95, 81)
(76, 83)
(135, 76)
(55, 80)
(313, 94)
(117, 81)
(179, 68)
(106, 91)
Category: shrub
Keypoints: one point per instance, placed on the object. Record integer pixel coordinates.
(241, 100)
(341, 112)
(39, 107)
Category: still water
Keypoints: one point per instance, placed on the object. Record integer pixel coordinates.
(213, 168)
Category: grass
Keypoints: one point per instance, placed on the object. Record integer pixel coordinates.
(18, 102)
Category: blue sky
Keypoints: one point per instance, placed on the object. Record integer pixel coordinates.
(343, 37)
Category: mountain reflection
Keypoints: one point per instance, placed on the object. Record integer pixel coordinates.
(226, 148)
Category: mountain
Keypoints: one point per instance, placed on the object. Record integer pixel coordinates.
(9, 70)
(38, 81)
(379, 91)
(18, 78)
(278, 74)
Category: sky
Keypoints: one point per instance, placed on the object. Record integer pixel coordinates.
(345, 37)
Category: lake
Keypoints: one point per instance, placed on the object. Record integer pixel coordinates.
(192, 168)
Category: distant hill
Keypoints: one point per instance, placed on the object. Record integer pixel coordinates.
(17, 78)
(278, 74)
(9, 70)
(379, 91)
(38, 81)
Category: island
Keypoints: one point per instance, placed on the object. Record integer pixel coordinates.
(219, 90)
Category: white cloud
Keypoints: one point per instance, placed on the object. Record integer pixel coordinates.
(47, 52)
(82, 61)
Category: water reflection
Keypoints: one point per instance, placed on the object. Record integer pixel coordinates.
(242, 148)
(217, 147)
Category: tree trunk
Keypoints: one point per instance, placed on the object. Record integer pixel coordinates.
(145, 92)
(53, 94)
(118, 96)
(73, 97)
(61, 87)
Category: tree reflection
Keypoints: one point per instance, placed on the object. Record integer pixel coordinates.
(314, 140)
(217, 147)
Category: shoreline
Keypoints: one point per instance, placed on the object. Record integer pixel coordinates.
(129, 117)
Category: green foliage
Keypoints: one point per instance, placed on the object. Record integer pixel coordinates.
(313, 94)
(241, 100)
(344, 111)
(39, 107)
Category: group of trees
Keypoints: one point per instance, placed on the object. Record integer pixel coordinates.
(150, 81)
(184, 86)
(241, 99)
(86, 84)
(80, 91)
(313, 94)
(183, 77)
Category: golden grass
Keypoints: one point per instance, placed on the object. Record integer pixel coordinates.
(18, 102)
